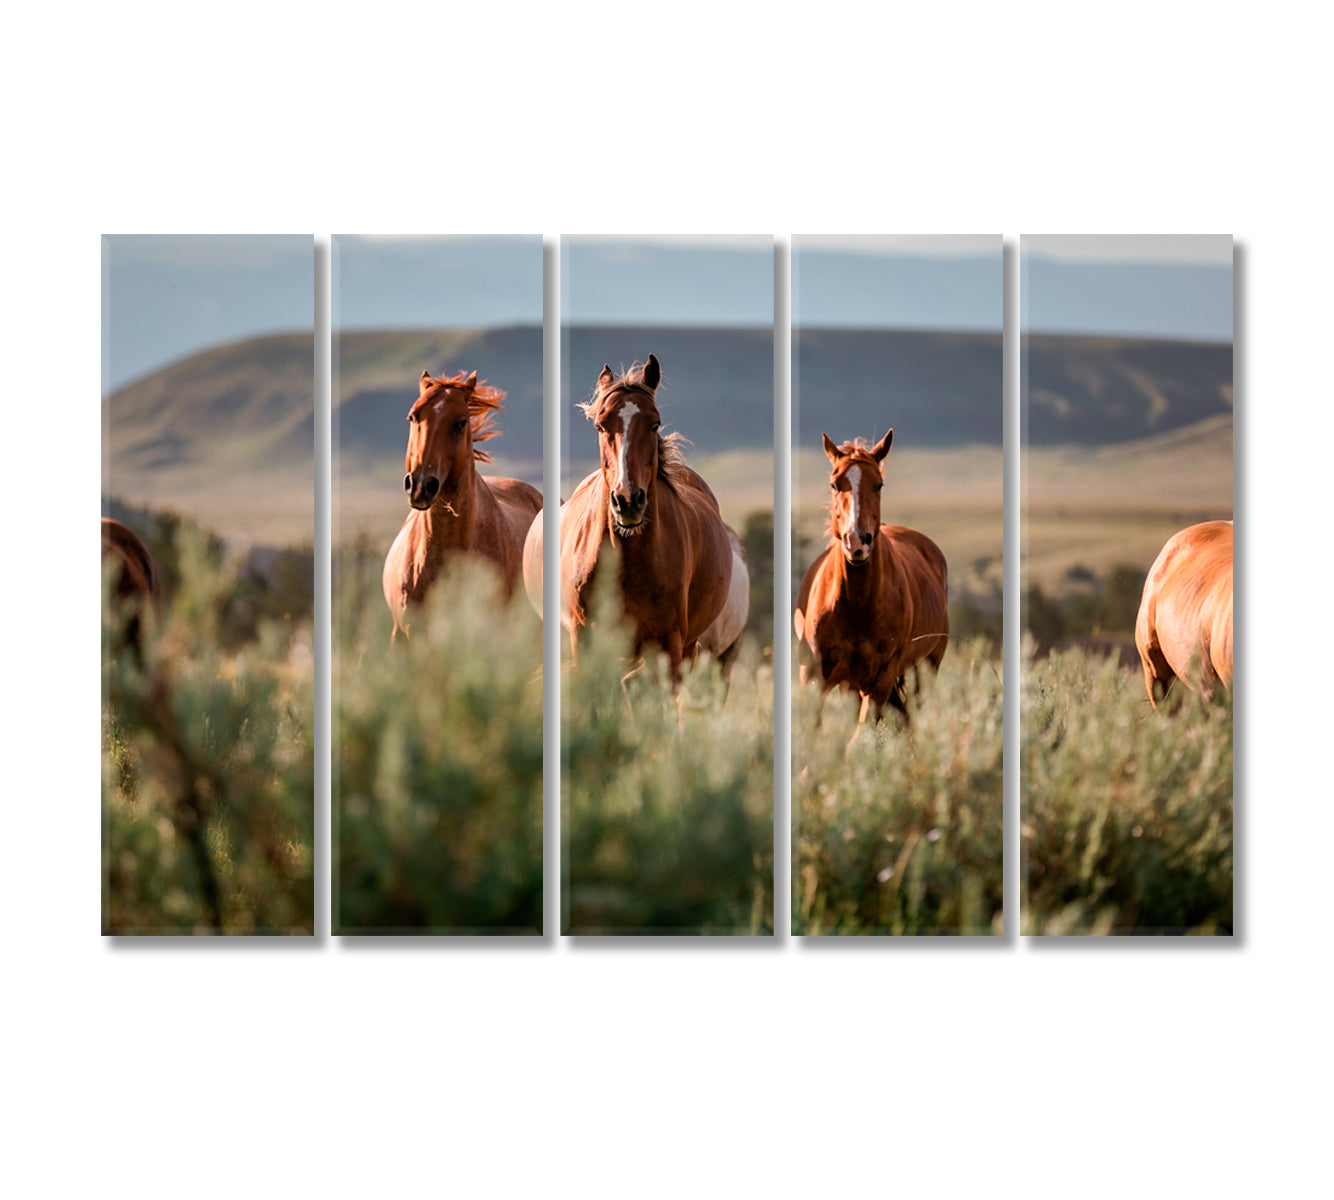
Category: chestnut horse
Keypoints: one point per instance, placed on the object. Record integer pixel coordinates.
(454, 509)
(136, 576)
(872, 606)
(1184, 627)
(658, 520)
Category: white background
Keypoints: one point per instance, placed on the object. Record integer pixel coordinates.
(283, 1069)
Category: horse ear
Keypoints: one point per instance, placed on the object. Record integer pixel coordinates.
(424, 382)
(652, 373)
(881, 448)
(471, 381)
(605, 378)
(830, 449)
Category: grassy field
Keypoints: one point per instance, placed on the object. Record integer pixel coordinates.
(666, 802)
(208, 760)
(1127, 811)
(898, 832)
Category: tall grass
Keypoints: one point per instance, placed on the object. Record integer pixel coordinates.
(437, 758)
(898, 830)
(1127, 811)
(666, 800)
(207, 763)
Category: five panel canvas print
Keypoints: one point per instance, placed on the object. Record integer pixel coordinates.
(666, 606)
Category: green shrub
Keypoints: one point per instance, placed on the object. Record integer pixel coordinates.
(437, 758)
(898, 831)
(666, 800)
(207, 765)
(1127, 811)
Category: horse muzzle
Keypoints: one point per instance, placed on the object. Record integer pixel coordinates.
(857, 547)
(628, 512)
(421, 489)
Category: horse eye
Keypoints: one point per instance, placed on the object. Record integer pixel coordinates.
(656, 425)
(460, 426)
(879, 487)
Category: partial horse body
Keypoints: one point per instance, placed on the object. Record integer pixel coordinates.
(873, 604)
(722, 639)
(658, 521)
(136, 577)
(1184, 627)
(532, 561)
(455, 510)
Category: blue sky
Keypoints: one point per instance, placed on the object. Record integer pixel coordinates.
(667, 281)
(1128, 286)
(927, 282)
(165, 297)
(436, 282)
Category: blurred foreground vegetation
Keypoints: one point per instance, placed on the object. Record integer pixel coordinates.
(898, 832)
(437, 757)
(208, 751)
(1127, 811)
(666, 801)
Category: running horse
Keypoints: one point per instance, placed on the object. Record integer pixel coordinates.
(455, 510)
(136, 581)
(658, 522)
(1184, 627)
(872, 606)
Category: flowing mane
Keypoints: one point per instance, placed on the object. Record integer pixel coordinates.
(483, 406)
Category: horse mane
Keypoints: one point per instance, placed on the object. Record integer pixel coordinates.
(860, 449)
(671, 446)
(483, 406)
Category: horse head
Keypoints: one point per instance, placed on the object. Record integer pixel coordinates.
(631, 449)
(854, 507)
(449, 418)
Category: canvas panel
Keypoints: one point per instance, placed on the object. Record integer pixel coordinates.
(667, 784)
(208, 471)
(897, 697)
(437, 655)
(1127, 452)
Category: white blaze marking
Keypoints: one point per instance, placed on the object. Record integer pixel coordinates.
(628, 411)
(854, 481)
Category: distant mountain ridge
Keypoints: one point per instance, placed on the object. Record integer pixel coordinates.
(233, 427)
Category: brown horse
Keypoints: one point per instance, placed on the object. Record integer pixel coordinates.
(136, 576)
(1184, 627)
(454, 509)
(872, 606)
(655, 516)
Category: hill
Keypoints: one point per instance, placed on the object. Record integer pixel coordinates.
(226, 436)
(1099, 391)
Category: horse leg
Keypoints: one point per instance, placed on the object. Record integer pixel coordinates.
(675, 647)
(726, 660)
(635, 669)
(898, 699)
